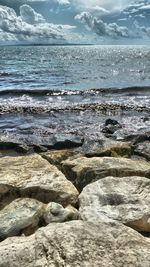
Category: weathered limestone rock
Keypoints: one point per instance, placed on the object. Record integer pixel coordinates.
(83, 171)
(77, 244)
(143, 149)
(125, 199)
(25, 215)
(32, 176)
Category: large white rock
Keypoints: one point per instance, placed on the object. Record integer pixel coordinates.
(77, 244)
(33, 176)
(126, 200)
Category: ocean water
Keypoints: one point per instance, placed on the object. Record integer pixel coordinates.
(50, 89)
(74, 67)
(58, 75)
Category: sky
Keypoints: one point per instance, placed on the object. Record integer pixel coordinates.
(75, 21)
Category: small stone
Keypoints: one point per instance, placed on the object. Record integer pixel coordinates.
(55, 212)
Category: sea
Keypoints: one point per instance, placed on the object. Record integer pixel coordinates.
(37, 82)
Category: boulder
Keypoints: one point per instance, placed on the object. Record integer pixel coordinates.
(82, 171)
(32, 176)
(126, 200)
(79, 243)
(25, 215)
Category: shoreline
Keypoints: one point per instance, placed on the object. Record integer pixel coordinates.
(66, 175)
(95, 107)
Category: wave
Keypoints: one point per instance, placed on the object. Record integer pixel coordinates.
(39, 92)
(8, 74)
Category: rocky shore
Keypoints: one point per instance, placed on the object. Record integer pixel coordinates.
(76, 198)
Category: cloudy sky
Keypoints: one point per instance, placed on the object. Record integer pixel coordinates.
(75, 21)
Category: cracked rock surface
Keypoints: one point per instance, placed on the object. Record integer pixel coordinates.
(79, 243)
(82, 171)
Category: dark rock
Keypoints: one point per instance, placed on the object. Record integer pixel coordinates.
(61, 141)
(111, 122)
(16, 146)
(23, 143)
(23, 149)
(8, 145)
(111, 126)
(138, 138)
(39, 149)
(146, 119)
(110, 129)
(90, 146)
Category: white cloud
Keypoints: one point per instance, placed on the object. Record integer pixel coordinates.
(28, 15)
(107, 18)
(145, 7)
(109, 5)
(29, 27)
(142, 30)
(62, 2)
(103, 29)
